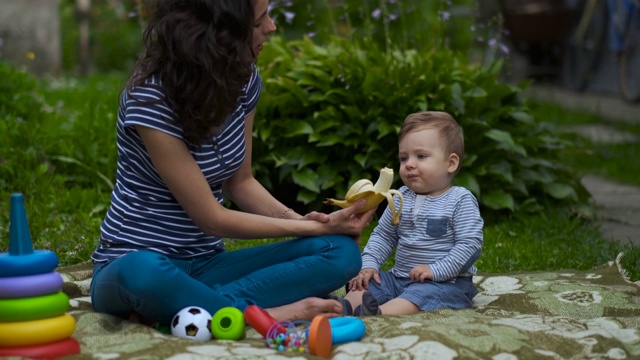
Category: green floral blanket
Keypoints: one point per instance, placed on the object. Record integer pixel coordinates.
(535, 315)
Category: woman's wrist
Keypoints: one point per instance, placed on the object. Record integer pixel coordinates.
(284, 213)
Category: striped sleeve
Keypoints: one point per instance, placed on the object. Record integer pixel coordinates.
(147, 106)
(252, 91)
(382, 241)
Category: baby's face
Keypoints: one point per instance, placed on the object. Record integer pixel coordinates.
(425, 167)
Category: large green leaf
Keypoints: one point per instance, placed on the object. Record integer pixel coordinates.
(498, 199)
(306, 178)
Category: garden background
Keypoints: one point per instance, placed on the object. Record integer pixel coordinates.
(339, 78)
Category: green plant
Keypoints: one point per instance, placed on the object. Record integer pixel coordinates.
(330, 116)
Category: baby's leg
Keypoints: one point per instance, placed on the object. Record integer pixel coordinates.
(354, 297)
(399, 306)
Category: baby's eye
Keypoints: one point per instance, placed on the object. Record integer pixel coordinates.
(422, 156)
(257, 25)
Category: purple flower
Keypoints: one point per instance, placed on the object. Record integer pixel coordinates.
(376, 13)
(289, 16)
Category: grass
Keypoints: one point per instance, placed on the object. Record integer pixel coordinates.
(64, 163)
(615, 161)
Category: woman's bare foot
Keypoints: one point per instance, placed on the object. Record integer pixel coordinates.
(306, 309)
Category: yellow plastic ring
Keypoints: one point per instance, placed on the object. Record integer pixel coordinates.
(35, 332)
(33, 308)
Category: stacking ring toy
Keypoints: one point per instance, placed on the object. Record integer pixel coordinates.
(22, 259)
(227, 324)
(31, 285)
(32, 308)
(346, 329)
(36, 332)
(261, 321)
(38, 262)
(53, 350)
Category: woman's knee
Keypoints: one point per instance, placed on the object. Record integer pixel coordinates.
(346, 254)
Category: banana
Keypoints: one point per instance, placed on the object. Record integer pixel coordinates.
(373, 194)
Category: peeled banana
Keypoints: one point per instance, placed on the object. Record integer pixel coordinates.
(373, 194)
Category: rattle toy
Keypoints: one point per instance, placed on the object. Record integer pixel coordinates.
(52, 350)
(261, 320)
(22, 259)
(33, 308)
(319, 336)
(35, 332)
(227, 324)
(30, 285)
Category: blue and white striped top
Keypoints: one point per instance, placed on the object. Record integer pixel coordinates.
(143, 212)
(445, 232)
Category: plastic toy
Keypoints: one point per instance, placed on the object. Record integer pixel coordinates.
(320, 336)
(52, 350)
(30, 285)
(21, 259)
(36, 332)
(192, 323)
(346, 329)
(227, 324)
(33, 322)
(317, 338)
(33, 308)
(261, 320)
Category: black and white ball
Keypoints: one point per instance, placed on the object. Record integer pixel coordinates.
(192, 323)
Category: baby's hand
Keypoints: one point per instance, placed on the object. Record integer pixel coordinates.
(361, 281)
(421, 273)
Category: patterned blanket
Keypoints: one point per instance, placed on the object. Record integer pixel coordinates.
(551, 315)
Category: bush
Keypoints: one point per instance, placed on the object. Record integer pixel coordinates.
(329, 115)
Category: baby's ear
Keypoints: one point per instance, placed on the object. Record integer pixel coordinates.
(454, 163)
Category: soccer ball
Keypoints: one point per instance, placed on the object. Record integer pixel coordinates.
(192, 323)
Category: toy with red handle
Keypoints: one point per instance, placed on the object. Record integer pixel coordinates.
(261, 320)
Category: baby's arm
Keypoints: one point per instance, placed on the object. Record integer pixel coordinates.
(467, 227)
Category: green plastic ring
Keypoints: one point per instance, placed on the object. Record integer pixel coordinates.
(228, 324)
(33, 308)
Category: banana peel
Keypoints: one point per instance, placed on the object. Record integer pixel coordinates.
(373, 194)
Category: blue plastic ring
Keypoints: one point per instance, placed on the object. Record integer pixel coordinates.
(346, 329)
(30, 285)
(39, 262)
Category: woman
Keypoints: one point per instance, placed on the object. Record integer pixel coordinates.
(184, 137)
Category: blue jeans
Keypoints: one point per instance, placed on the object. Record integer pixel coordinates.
(157, 287)
(428, 295)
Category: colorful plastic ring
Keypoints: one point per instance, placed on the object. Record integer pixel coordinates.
(54, 350)
(36, 332)
(33, 308)
(227, 324)
(261, 320)
(31, 285)
(39, 262)
(346, 329)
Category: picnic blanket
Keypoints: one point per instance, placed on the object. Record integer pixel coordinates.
(565, 314)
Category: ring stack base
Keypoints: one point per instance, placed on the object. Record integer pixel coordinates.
(33, 319)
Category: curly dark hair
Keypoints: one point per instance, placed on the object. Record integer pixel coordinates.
(201, 50)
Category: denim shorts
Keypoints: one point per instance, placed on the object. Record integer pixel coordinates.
(428, 295)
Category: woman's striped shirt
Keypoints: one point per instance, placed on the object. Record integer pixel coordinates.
(445, 232)
(143, 212)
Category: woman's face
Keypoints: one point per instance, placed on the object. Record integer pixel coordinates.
(263, 26)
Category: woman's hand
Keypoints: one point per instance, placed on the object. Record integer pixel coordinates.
(349, 222)
(361, 281)
(421, 273)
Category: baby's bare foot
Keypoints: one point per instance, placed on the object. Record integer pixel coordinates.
(306, 309)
